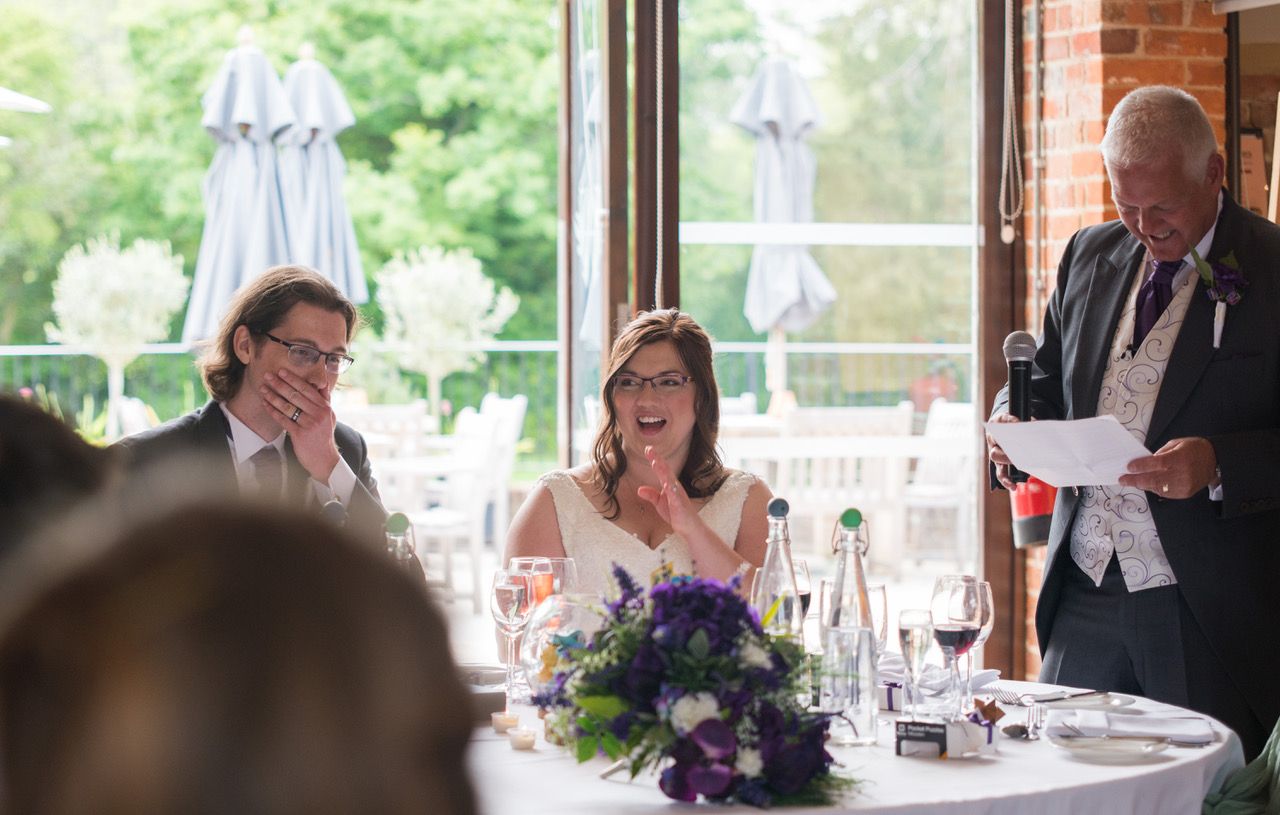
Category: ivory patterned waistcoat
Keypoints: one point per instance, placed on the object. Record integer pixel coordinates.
(1116, 520)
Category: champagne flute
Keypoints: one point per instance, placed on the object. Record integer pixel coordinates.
(956, 622)
(987, 621)
(511, 602)
(915, 632)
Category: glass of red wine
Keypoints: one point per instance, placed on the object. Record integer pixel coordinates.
(957, 620)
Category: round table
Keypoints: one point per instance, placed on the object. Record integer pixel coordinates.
(1023, 776)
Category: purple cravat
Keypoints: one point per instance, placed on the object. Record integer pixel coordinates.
(1154, 297)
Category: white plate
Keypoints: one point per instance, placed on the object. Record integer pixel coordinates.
(1110, 751)
(1100, 701)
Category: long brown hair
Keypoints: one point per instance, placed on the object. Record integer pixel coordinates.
(703, 472)
(261, 306)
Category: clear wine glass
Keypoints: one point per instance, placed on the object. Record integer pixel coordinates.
(565, 573)
(915, 633)
(544, 578)
(511, 602)
(987, 621)
(957, 618)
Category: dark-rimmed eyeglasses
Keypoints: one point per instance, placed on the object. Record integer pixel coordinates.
(662, 383)
(304, 356)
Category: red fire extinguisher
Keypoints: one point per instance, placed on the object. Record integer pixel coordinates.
(1032, 510)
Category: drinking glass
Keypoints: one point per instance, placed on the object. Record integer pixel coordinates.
(511, 602)
(957, 618)
(987, 617)
(544, 578)
(565, 574)
(915, 633)
(879, 615)
(847, 686)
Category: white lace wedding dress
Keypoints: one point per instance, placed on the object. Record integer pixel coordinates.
(596, 544)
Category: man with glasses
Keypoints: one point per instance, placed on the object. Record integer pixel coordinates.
(270, 373)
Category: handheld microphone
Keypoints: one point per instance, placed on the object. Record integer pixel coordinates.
(1019, 351)
(335, 513)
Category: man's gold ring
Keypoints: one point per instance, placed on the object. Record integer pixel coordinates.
(297, 411)
(1164, 488)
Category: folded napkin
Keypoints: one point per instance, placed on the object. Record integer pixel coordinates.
(934, 678)
(1103, 723)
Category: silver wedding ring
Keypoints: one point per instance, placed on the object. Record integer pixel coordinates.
(1164, 488)
(297, 411)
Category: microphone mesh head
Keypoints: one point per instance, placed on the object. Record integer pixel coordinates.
(1019, 346)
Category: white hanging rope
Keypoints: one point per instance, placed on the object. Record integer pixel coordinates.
(1010, 200)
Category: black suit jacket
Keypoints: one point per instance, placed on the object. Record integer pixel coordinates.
(1225, 555)
(204, 431)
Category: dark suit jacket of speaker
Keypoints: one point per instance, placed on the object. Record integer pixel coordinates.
(205, 431)
(1225, 555)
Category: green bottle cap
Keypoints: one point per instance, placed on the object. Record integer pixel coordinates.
(397, 523)
(851, 518)
(778, 508)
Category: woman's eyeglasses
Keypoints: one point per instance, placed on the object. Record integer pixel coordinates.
(304, 356)
(662, 383)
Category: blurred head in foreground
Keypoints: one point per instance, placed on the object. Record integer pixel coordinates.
(44, 467)
(224, 659)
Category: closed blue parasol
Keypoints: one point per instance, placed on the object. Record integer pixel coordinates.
(246, 229)
(312, 170)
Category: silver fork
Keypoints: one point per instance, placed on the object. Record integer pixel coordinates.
(1005, 696)
(1035, 721)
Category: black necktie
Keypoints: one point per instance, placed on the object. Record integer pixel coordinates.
(1154, 297)
(268, 471)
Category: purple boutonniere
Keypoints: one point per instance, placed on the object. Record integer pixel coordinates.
(1224, 283)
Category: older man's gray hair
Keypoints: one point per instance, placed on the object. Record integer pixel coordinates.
(1151, 122)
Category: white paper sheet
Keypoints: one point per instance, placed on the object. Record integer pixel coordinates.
(1083, 452)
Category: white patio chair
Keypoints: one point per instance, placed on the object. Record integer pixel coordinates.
(446, 497)
(745, 404)
(940, 498)
(390, 430)
(509, 415)
(826, 481)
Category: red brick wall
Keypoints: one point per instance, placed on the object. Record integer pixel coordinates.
(1094, 52)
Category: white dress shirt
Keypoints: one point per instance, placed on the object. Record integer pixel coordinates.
(244, 443)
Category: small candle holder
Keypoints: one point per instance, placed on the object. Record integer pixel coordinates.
(503, 721)
(522, 738)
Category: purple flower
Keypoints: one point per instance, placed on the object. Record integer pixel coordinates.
(715, 738)
(711, 781)
(754, 792)
(674, 782)
(1227, 283)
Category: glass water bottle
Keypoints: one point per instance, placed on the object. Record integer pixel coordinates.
(774, 593)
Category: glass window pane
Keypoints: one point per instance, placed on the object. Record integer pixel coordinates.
(832, 141)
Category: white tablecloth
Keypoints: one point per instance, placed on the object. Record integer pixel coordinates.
(1024, 776)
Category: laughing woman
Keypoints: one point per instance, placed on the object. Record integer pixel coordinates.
(654, 498)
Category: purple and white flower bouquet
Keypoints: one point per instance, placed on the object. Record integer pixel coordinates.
(683, 681)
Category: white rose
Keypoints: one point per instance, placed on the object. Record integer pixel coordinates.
(691, 710)
(749, 763)
(755, 656)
